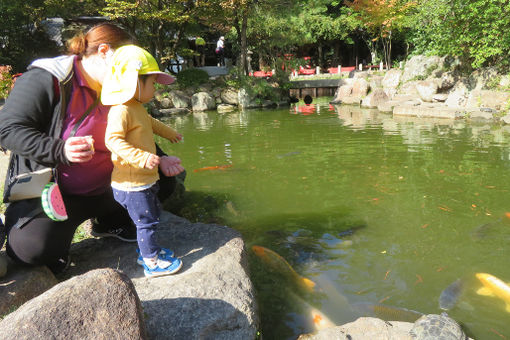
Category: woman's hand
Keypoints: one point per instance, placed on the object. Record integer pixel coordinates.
(152, 162)
(78, 149)
(170, 166)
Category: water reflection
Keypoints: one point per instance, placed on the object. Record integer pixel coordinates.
(301, 185)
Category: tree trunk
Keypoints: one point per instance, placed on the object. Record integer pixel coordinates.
(244, 29)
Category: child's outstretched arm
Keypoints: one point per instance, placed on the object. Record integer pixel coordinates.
(165, 131)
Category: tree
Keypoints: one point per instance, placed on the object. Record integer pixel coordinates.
(158, 24)
(21, 35)
(476, 30)
(381, 19)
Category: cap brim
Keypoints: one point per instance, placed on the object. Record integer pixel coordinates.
(163, 78)
(118, 90)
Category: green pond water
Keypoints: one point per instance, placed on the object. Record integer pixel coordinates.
(375, 210)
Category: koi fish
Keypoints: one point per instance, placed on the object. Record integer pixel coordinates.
(278, 263)
(318, 319)
(492, 286)
(215, 167)
(450, 295)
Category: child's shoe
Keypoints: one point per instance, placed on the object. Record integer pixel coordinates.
(160, 266)
(164, 253)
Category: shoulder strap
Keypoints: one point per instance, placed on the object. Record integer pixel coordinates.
(82, 118)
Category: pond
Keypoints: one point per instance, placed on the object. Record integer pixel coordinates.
(380, 213)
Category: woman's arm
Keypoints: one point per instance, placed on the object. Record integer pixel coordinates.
(26, 119)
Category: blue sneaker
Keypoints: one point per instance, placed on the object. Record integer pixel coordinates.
(165, 253)
(163, 267)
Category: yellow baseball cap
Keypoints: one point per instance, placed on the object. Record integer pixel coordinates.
(128, 62)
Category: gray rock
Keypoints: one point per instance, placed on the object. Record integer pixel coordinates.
(428, 111)
(458, 96)
(179, 99)
(101, 304)
(246, 101)
(426, 89)
(229, 96)
(440, 97)
(364, 328)
(375, 98)
(437, 327)
(375, 82)
(203, 101)
(210, 298)
(506, 119)
(488, 98)
(446, 81)
(421, 67)
(175, 110)
(222, 108)
(166, 103)
(360, 88)
(22, 284)
(391, 80)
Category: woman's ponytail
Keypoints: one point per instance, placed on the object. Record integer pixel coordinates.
(105, 33)
(77, 44)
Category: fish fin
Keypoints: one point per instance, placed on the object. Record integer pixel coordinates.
(484, 291)
(507, 307)
(308, 283)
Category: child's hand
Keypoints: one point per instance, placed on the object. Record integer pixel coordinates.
(170, 165)
(176, 139)
(152, 162)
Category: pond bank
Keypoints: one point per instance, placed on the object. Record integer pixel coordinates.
(431, 87)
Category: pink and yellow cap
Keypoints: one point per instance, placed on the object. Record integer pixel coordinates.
(128, 62)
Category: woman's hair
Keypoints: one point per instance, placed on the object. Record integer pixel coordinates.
(105, 33)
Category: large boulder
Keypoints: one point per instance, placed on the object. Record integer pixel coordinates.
(229, 96)
(22, 284)
(246, 101)
(375, 98)
(419, 67)
(223, 108)
(203, 101)
(364, 328)
(488, 99)
(426, 90)
(210, 298)
(360, 88)
(391, 81)
(179, 99)
(458, 96)
(101, 304)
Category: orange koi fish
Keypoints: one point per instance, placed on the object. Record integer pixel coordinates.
(492, 286)
(215, 167)
(278, 263)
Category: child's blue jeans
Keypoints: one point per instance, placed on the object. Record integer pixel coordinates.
(144, 209)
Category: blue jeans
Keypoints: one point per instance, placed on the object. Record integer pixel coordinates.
(144, 209)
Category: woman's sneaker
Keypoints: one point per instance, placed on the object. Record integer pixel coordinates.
(161, 267)
(164, 253)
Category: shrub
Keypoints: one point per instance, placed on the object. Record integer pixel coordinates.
(192, 77)
(6, 81)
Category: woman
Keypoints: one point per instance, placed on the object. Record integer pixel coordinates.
(37, 119)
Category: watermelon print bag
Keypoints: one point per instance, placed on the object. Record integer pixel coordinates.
(51, 198)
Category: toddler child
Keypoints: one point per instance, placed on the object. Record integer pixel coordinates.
(128, 84)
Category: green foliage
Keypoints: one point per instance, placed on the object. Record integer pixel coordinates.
(475, 31)
(192, 77)
(21, 35)
(6, 81)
